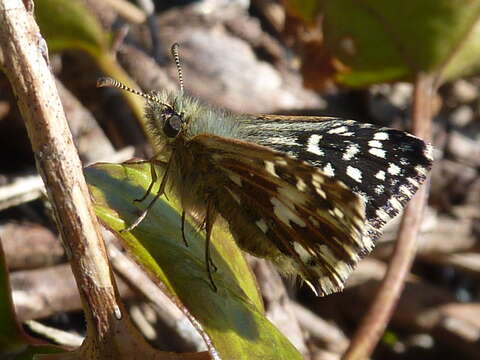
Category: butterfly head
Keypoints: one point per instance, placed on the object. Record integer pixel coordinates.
(164, 113)
(164, 110)
(172, 124)
(167, 114)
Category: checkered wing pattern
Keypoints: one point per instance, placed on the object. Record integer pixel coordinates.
(311, 194)
(289, 212)
(384, 166)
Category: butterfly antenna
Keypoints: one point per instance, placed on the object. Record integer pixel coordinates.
(109, 82)
(176, 57)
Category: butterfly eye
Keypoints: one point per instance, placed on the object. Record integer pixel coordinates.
(173, 125)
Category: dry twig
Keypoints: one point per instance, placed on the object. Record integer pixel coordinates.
(110, 333)
(376, 319)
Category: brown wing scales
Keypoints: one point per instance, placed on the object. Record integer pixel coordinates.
(313, 224)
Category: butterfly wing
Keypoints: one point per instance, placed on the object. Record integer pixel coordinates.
(287, 211)
(384, 166)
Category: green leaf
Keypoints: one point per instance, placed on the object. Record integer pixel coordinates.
(384, 40)
(465, 60)
(67, 24)
(232, 319)
(378, 41)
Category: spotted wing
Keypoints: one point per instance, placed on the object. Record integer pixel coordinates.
(289, 212)
(384, 166)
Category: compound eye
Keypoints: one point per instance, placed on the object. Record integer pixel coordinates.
(172, 125)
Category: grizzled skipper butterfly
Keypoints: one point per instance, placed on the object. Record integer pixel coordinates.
(311, 194)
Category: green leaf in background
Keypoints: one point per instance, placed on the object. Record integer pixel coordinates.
(231, 320)
(14, 343)
(67, 24)
(378, 41)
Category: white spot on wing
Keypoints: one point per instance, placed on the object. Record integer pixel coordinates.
(317, 179)
(405, 190)
(283, 140)
(262, 225)
(377, 152)
(382, 215)
(321, 192)
(394, 169)
(317, 182)
(367, 242)
(301, 184)
(313, 145)
(421, 170)
(350, 152)
(291, 195)
(329, 170)
(354, 173)
(365, 126)
(429, 152)
(395, 204)
(413, 182)
(380, 136)
(338, 130)
(338, 212)
(284, 214)
(270, 167)
(380, 175)
(302, 252)
(375, 144)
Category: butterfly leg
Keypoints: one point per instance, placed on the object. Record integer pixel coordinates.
(153, 173)
(160, 192)
(203, 226)
(209, 220)
(143, 214)
(154, 176)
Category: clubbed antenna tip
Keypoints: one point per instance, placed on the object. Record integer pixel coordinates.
(109, 82)
(106, 82)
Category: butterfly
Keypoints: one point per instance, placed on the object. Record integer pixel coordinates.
(311, 194)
